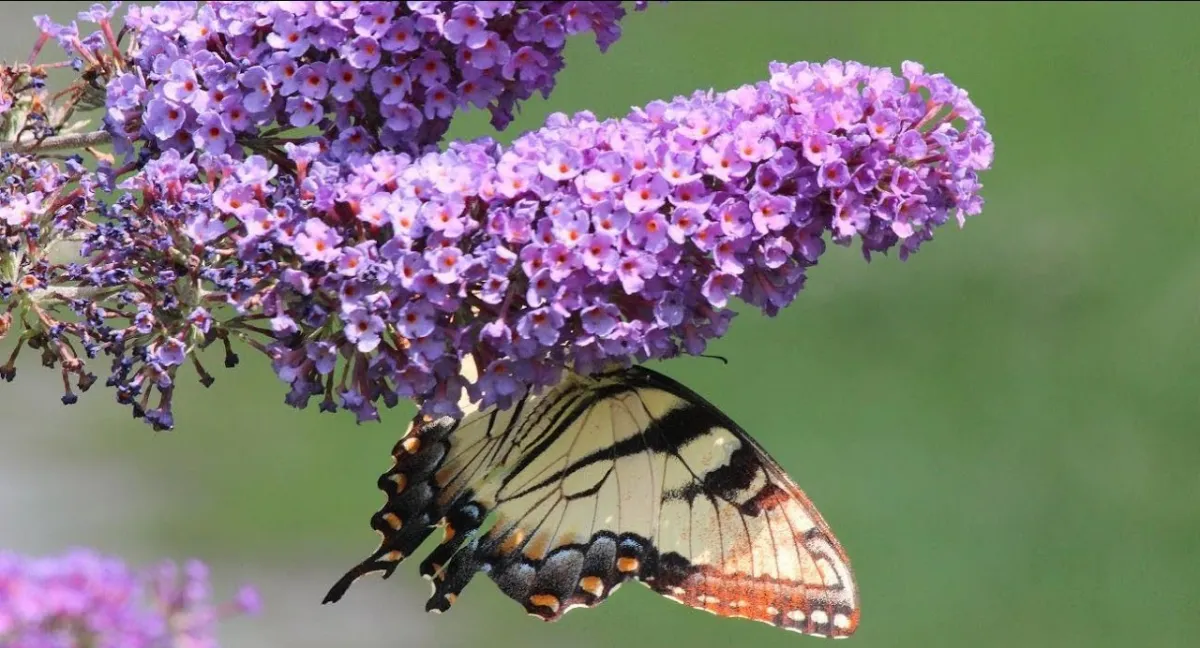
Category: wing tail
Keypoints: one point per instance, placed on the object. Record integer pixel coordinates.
(411, 511)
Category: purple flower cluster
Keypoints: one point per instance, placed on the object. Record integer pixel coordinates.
(42, 206)
(584, 244)
(590, 243)
(82, 598)
(366, 74)
(370, 275)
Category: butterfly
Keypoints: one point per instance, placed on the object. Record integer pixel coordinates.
(602, 479)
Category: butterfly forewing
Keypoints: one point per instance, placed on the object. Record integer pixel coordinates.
(626, 475)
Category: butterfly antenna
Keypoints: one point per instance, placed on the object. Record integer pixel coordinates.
(715, 357)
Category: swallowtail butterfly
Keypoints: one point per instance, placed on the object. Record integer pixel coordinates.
(624, 475)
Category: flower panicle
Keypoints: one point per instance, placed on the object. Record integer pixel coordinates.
(364, 68)
(591, 243)
(372, 277)
(83, 597)
(373, 270)
(368, 75)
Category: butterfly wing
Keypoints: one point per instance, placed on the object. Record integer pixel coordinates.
(746, 542)
(627, 475)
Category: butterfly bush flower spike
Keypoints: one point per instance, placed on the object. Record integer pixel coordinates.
(195, 90)
(82, 598)
(391, 73)
(370, 265)
(590, 243)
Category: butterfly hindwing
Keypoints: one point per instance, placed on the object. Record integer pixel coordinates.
(625, 475)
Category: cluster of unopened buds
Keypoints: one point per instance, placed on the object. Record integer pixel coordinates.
(280, 183)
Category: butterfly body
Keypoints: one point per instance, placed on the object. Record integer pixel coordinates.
(624, 475)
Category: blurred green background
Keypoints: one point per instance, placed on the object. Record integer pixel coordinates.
(1002, 431)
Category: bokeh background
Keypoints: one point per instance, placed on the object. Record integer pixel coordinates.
(1003, 431)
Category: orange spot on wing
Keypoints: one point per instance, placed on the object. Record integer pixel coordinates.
(626, 565)
(400, 481)
(592, 585)
(569, 538)
(545, 600)
(514, 540)
(537, 547)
